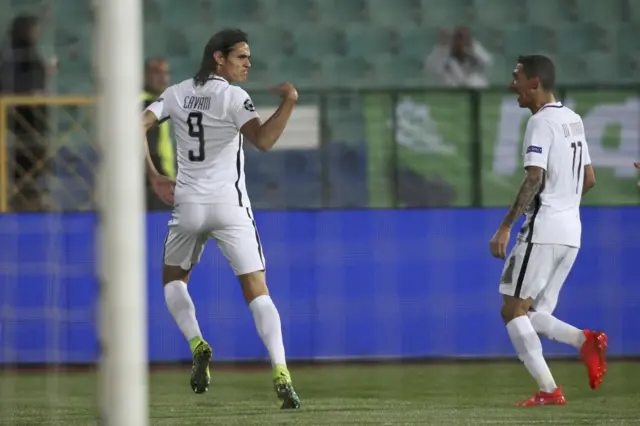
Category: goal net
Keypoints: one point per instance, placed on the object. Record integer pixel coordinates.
(71, 176)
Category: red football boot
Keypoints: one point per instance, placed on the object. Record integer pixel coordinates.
(594, 355)
(544, 398)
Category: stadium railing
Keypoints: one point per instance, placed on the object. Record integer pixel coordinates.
(369, 148)
(66, 166)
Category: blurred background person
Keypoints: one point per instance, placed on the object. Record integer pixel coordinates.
(458, 60)
(156, 80)
(24, 72)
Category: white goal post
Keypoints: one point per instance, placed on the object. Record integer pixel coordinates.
(123, 297)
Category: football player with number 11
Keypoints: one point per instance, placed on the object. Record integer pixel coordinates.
(557, 173)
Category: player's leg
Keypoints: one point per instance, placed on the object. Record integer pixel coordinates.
(592, 344)
(524, 276)
(545, 304)
(238, 239)
(182, 249)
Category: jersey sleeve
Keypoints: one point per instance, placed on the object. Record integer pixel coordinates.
(160, 107)
(587, 158)
(242, 109)
(537, 141)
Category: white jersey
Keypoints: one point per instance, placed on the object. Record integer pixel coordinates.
(207, 120)
(555, 141)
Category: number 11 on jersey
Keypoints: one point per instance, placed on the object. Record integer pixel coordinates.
(577, 149)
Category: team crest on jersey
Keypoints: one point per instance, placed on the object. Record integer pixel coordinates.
(248, 105)
(536, 149)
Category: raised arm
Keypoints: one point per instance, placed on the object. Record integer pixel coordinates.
(264, 135)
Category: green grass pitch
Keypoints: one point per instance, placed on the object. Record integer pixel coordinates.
(429, 394)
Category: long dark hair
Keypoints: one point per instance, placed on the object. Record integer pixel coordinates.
(223, 42)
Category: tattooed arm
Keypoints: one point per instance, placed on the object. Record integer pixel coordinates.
(528, 189)
(537, 143)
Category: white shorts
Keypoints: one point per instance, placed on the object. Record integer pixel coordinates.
(537, 271)
(233, 228)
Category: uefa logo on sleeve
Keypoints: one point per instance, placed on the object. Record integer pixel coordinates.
(248, 105)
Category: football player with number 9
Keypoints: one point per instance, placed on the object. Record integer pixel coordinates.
(211, 119)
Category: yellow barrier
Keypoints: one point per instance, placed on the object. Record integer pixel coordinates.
(56, 139)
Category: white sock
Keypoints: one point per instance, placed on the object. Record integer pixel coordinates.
(182, 308)
(269, 328)
(529, 348)
(552, 328)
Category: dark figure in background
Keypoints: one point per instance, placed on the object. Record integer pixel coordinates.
(156, 81)
(24, 73)
(459, 60)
